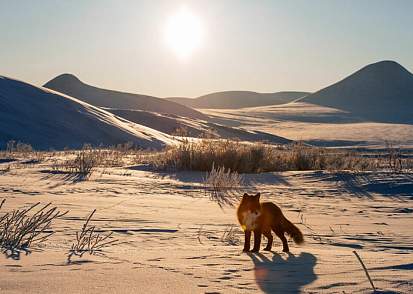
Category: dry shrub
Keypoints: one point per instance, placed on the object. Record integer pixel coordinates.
(88, 240)
(396, 159)
(5, 170)
(231, 236)
(22, 151)
(19, 229)
(84, 162)
(223, 186)
(13, 146)
(302, 157)
(202, 155)
(82, 165)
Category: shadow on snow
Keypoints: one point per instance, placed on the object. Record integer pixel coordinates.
(279, 275)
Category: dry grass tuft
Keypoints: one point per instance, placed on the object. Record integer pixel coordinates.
(231, 236)
(19, 230)
(395, 160)
(88, 240)
(223, 186)
(82, 165)
(13, 146)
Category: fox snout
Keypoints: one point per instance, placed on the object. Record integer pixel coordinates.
(250, 220)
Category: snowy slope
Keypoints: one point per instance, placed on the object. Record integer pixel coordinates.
(239, 99)
(47, 119)
(381, 91)
(71, 85)
(195, 127)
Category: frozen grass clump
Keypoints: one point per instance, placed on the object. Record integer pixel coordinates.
(88, 240)
(202, 155)
(231, 236)
(21, 229)
(223, 186)
(81, 166)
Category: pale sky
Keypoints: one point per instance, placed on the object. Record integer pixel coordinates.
(263, 46)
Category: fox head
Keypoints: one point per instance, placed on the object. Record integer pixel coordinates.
(250, 202)
(249, 211)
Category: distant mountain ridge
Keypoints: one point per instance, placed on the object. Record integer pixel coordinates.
(239, 99)
(381, 91)
(164, 117)
(48, 119)
(72, 86)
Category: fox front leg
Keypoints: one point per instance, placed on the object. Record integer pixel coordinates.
(247, 243)
(257, 241)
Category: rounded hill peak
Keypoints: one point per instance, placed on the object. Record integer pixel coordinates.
(385, 67)
(386, 63)
(64, 79)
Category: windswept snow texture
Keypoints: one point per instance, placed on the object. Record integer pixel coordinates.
(196, 128)
(239, 99)
(381, 92)
(47, 119)
(71, 85)
(171, 236)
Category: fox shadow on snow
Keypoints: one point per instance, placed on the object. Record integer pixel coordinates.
(279, 275)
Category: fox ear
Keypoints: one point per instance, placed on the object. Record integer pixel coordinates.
(245, 195)
(258, 195)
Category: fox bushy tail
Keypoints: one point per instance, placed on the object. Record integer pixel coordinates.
(293, 232)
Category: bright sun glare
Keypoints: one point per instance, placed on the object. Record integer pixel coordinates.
(184, 33)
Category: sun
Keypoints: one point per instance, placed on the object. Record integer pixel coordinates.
(184, 33)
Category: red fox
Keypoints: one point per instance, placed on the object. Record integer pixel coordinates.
(261, 218)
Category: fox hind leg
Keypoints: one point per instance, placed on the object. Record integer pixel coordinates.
(280, 234)
(268, 235)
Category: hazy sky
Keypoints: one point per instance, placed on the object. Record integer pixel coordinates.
(263, 46)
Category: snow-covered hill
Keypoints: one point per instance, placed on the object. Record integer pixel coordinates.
(71, 85)
(239, 99)
(48, 119)
(381, 91)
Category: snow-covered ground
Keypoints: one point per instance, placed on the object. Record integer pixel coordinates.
(171, 241)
